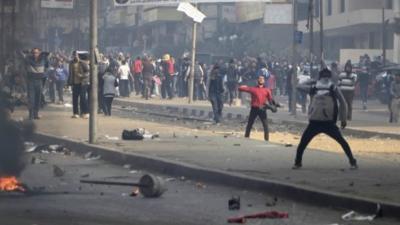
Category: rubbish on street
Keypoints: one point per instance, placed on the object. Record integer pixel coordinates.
(237, 145)
(133, 171)
(200, 185)
(90, 156)
(354, 216)
(262, 215)
(57, 171)
(135, 192)
(111, 138)
(138, 134)
(288, 145)
(170, 179)
(234, 203)
(85, 175)
(272, 203)
(127, 166)
(30, 146)
(149, 185)
(36, 160)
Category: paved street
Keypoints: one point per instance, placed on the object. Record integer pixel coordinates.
(65, 201)
(207, 148)
(374, 119)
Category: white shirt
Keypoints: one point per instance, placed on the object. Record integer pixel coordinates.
(124, 72)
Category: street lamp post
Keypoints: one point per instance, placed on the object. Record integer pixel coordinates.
(93, 73)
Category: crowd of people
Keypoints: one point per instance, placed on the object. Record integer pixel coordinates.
(48, 76)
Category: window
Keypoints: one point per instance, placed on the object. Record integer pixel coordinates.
(389, 4)
(342, 6)
(316, 8)
(329, 7)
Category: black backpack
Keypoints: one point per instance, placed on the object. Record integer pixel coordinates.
(135, 134)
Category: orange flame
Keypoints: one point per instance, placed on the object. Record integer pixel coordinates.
(10, 184)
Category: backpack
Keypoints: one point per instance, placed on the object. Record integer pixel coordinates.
(323, 105)
(135, 134)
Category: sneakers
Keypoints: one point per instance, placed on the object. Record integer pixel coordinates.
(353, 165)
(296, 166)
(75, 116)
(85, 116)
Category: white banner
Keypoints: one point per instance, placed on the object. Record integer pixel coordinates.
(191, 12)
(57, 4)
(175, 2)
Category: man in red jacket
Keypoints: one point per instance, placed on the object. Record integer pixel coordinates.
(259, 96)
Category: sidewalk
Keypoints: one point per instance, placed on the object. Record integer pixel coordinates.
(376, 180)
(370, 123)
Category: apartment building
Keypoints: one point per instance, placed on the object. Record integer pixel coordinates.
(352, 28)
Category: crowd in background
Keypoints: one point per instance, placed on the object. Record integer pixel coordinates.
(122, 75)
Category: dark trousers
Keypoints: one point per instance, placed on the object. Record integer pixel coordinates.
(217, 106)
(124, 88)
(232, 91)
(35, 87)
(80, 99)
(84, 98)
(108, 105)
(147, 84)
(166, 87)
(198, 90)
(52, 91)
(60, 84)
(138, 83)
(348, 96)
(262, 114)
(76, 91)
(328, 128)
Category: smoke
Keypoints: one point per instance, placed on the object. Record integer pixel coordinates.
(12, 138)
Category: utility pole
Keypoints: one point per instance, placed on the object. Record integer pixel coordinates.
(93, 73)
(396, 38)
(321, 32)
(311, 26)
(383, 36)
(294, 59)
(191, 77)
(2, 37)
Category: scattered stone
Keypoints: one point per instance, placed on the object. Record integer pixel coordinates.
(85, 175)
(57, 171)
(237, 145)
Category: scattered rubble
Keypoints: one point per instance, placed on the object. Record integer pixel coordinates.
(57, 171)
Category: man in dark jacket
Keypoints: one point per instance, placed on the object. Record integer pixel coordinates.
(36, 65)
(215, 92)
(323, 113)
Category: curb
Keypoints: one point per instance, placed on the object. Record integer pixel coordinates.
(173, 168)
(202, 115)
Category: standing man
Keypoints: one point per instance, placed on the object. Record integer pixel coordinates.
(232, 81)
(148, 72)
(36, 65)
(259, 96)
(323, 114)
(198, 82)
(395, 96)
(215, 92)
(363, 80)
(347, 83)
(137, 75)
(123, 75)
(61, 76)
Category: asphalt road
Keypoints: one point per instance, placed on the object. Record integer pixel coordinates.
(65, 201)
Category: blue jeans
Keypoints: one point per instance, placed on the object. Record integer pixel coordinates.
(35, 87)
(217, 104)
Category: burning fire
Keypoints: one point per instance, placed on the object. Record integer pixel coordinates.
(10, 184)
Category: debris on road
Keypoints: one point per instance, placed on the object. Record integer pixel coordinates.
(272, 203)
(90, 156)
(30, 146)
(85, 175)
(36, 160)
(135, 192)
(234, 203)
(170, 179)
(200, 185)
(57, 171)
(354, 216)
(262, 215)
(237, 145)
(138, 134)
(110, 138)
(127, 166)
